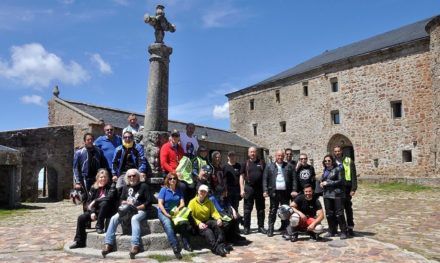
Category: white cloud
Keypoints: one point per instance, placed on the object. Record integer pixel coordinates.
(32, 65)
(32, 99)
(103, 66)
(221, 111)
(219, 17)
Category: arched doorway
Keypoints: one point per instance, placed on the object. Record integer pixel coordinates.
(344, 142)
(48, 183)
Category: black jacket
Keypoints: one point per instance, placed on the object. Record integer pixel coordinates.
(109, 192)
(138, 195)
(335, 184)
(270, 177)
(304, 176)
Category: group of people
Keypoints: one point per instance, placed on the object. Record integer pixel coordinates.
(201, 196)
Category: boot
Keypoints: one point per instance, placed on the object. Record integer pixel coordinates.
(350, 232)
(262, 230)
(332, 226)
(260, 219)
(294, 237)
(246, 231)
(176, 252)
(247, 224)
(342, 226)
(107, 249)
(270, 230)
(134, 250)
(77, 244)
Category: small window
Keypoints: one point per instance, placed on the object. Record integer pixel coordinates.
(396, 109)
(255, 129)
(277, 96)
(334, 83)
(406, 156)
(306, 90)
(283, 126)
(335, 117)
(251, 104)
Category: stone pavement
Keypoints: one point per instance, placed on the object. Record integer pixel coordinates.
(400, 221)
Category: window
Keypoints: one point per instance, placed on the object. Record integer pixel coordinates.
(255, 129)
(406, 156)
(277, 96)
(283, 126)
(251, 104)
(396, 109)
(306, 90)
(334, 84)
(335, 117)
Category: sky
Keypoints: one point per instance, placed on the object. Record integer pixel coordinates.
(96, 51)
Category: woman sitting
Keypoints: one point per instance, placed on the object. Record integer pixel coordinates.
(208, 221)
(101, 200)
(170, 201)
(228, 213)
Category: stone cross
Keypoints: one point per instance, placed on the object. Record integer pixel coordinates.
(159, 23)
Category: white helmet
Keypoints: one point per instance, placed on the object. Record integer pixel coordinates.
(294, 220)
(318, 229)
(284, 212)
(77, 196)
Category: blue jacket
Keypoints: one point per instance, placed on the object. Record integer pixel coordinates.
(81, 163)
(138, 159)
(108, 146)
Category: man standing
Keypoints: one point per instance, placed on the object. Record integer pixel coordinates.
(170, 154)
(349, 170)
(133, 126)
(127, 156)
(305, 175)
(189, 142)
(231, 171)
(251, 189)
(277, 184)
(289, 157)
(108, 143)
(86, 163)
(308, 215)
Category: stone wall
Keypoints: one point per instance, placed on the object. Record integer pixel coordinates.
(50, 147)
(366, 87)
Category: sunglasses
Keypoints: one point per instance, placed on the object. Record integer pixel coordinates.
(128, 137)
(108, 129)
(302, 159)
(327, 161)
(172, 178)
(131, 176)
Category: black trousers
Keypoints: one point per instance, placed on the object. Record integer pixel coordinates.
(234, 196)
(253, 194)
(279, 197)
(231, 230)
(334, 209)
(213, 234)
(348, 205)
(104, 210)
(189, 191)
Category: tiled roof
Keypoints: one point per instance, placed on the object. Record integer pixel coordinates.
(118, 118)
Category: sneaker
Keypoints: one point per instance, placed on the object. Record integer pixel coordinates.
(294, 238)
(177, 253)
(262, 230)
(329, 234)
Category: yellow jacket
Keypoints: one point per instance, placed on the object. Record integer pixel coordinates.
(202, 212)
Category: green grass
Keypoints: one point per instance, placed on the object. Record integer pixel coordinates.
(394, 186)
(7, 213)
(162, 258)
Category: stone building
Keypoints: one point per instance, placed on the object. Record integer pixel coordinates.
(10, 174)
(378, 98)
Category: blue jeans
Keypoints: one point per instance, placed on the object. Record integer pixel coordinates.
(169, 230)
(135, 228)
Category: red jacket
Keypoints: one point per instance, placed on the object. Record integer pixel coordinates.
(169, 160)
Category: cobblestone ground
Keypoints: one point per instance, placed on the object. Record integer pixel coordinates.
(399, 221)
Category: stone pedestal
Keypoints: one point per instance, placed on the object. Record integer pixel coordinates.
(155, 132)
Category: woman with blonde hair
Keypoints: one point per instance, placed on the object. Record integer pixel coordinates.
(101, 200)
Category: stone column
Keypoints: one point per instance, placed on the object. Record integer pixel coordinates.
(156, 114)
(433, 29)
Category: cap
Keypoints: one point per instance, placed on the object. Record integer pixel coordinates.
(175, 133)
(203, 187)
(231, 153)
(207, 168)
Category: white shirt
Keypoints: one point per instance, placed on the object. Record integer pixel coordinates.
(280, 182)
(189, 145)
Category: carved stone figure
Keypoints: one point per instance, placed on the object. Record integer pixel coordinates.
(159, 23)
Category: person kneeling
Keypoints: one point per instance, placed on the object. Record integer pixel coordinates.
(101, 199)
(208, 221)
(307, 216)
(137, 194)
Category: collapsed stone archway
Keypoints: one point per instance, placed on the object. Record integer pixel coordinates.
(344, 142)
